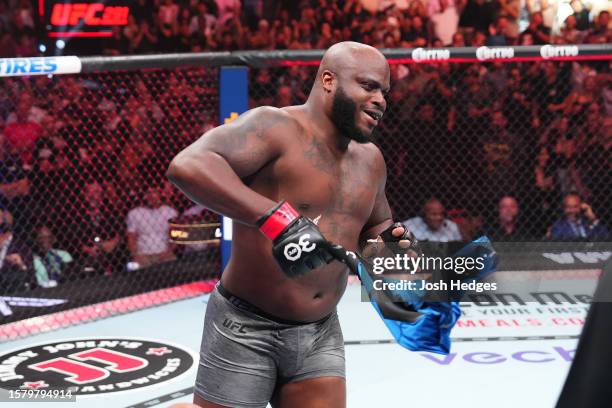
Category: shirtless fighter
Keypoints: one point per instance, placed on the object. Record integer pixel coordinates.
(291, 179)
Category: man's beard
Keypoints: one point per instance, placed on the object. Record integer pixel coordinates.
(343, 114)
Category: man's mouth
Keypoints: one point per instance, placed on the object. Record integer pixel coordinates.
(373, 115)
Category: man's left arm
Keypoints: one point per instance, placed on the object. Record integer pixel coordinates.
(381, 218)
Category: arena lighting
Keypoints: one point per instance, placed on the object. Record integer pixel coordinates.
(93, 19)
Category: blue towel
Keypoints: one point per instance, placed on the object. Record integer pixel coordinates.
(431, 331)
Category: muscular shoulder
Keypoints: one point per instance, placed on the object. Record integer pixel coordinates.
(269, 121)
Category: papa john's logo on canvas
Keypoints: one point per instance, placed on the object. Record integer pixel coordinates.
(93, 366)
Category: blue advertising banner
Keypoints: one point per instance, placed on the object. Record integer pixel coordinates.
(233, 100)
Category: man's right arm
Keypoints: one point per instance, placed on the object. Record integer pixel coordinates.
(211, 170)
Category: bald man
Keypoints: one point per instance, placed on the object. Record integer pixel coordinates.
(292, 179)
(433, 225)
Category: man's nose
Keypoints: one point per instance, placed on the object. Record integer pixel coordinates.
(379, 100)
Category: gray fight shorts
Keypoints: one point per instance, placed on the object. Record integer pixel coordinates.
(246, 354)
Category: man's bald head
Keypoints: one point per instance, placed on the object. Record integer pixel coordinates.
(350, 55)
(350, 88)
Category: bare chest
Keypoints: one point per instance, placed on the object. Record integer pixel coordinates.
(338, 193)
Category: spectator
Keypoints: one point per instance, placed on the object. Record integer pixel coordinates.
(501, 155)
(600, 31)
(499, 33)
(576, 103)
(508, 225)
(14, 187)
(26, 46)
(16, 270)
(147, 230)
(579, 222)
(130, 31)
(262, 39)
(117, 44)
(21, 135)
(284, 96)
(569, 33)
(478, 39)
(567, 172)
(50, 176)
(96, 230)
(8, 46)
(433, 224)
(49, 262)
(546, 10)
(32, 112)
(168, 26)
(539, 32)
(203, 22)
(581, 13)
(510, 10)
(594, 158)
(545, 192)
(468, 221)
(476, 15)
(444, 17)
(228, 9)
(146, 39)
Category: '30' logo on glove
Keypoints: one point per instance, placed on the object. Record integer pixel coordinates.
(294, 251)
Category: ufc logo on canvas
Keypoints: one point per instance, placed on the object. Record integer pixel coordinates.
(294, 251)
(82, 373)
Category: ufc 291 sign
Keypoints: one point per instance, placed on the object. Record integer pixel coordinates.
(93, 366)
(83, 18)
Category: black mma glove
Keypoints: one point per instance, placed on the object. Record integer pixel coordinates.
(298, 245)
(388, 237)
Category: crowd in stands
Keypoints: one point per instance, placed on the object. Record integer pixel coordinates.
(519, 151)
(162, 26)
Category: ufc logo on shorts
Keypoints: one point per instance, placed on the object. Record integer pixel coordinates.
(294, 251)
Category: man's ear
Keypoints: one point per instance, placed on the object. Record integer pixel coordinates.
(328, 80)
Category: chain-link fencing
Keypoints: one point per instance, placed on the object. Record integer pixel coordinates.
(88, 215)
(470, 134)
(86, 206)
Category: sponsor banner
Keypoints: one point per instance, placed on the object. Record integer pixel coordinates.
(494, 53)
(233, 101)
(520, 320)
(503, 54)
(473, 374)
(94, 366)
(437, 54)
(554, 51)
(39, 66)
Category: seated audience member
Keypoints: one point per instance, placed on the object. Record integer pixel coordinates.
(433, 225)
(14, 188)
(147, 230)
(49, 262)
(96, 231)
(16, 271)
(507, 226)
(22, 133)
(469, 222)
(578, 223)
